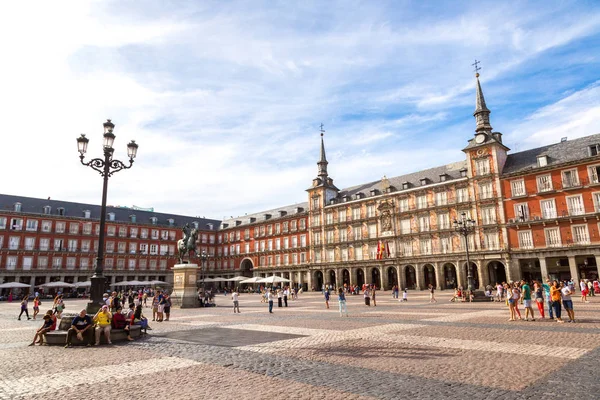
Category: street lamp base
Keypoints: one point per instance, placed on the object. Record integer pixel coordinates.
(98, 284)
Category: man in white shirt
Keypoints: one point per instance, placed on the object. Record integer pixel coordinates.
(270, 298)
(236, 303)
(566, 292)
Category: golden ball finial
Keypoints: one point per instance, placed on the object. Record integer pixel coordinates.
(477, 75)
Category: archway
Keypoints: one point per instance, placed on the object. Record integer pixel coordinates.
(345, 277)
(429, 274)
(392, 277)
(375, 278)
(450, 279)
(497, 272)
(331, 279)
(246, 267)
(474, 274)
(318, 281)
(410, 275)
(360, 278)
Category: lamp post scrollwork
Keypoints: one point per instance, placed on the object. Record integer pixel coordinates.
(464, 227)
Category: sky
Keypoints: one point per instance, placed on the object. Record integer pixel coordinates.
(225, 98)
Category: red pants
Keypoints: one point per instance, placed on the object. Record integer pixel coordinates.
(540, 305)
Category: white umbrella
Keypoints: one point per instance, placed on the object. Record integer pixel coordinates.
(136, 283)
(82, 284)
(251, 280)
(122, 283)
(159, 283)
(58, 284)
(207, 280)
(13, 285)
(273, 279)
(237, 279)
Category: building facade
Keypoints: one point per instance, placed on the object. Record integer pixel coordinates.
(48, 240)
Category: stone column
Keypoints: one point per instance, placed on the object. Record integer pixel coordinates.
(513, 270)
(338, 279)
(543, 268)
(439, 276)
(460, 275)
(352, 272)
(384, 277)
(484, 278)
(309, 280)
(184, 285)
(32, 284)
(574, 271)
(401, 277)
(419, 276)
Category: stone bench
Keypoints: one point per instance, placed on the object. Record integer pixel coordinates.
(59, 336)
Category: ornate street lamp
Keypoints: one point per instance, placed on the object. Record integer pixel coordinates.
(106, 167)
(203, 259)
(465, 226)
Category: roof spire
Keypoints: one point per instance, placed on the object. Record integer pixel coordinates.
(482, 113)
(323, 161)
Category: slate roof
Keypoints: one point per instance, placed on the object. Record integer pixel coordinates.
(452, 172)
(260, 216)
(30, 205)
(558, 153)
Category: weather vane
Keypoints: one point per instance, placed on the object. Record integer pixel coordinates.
(477, 67)
(322, 130)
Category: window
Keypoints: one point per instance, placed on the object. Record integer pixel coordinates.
(144, 234)
(153, 249)
(111, 216)
(518, 188)
(522, 212)
(87, 228)
(270, 244)
(42, 262)
(488, 215)
(544, 183)
(446, 245)
(405, 185)
(441, 198)
(316, 237)
(425, 245)
(143, 263)
(111, 230)
(1, 241)
(542, 161)
(74, 228)
(87, 214)
(330, 256)
(2, 222)
(552, 237)
(462, 195)
(11, 262)
(58, 244)
(164, 235)
(71, 262)
(294, 225)
(294, 242)
(344, 254)
(285, 228)
(355, 213)
(580, 234)
(84, 263)
(263, 245)
(403, 205)
(548, 208)
(370, 211)
(120, 263)
(16, 224)
(593, 150)
(406, 248)
(286, 259)
(47, 209)
(109, 263)
(424, 223)
(463, 173)
(72, 245)
(357, 232)
(17, 207)
(110, 247)
(570, 178)
(593, 172)
(133, 232)
(302, 224)
(485, 190)
(60, 227)
(122, 231)
(56, 262)
(358, 253)
(343, 233)
(421, 202)
(490, 240)
(13, 242)
(405, 226)
(277, 231)
(154, 233)
(525, 240)
(302, 241)
(443, 221)
(121, 247)
(482, 167)
(131, 263)
(342, 215)
(329, 218)
(596, 198)
(143, 248)
(372, 229)
(31, 225)
(575, 205)
(44, 244)
(85, 246)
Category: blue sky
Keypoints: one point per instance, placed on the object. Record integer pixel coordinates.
(226, 98)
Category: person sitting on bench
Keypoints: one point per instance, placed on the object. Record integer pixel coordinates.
(120, 322)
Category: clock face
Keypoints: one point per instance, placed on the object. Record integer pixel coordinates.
(480, 138)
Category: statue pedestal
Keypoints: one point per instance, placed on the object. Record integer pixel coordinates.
(185, 294)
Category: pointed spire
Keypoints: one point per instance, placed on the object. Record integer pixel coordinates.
(482, 113)
(323, 161)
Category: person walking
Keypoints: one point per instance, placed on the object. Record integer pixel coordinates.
(405, 295)
(270, 298)
(36, 306)
(526, 297)
(539, 297)
(235, 298)
(279, 298)
(342, 302)
(367, 296)
(326, 294)
(546, 286)
(286, 292)
(431, 294)
(24, 307)
(567, 291)
(555, 296)
(373, 296)
(584, 291)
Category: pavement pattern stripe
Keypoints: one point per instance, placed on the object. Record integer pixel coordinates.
(278, 329)
(487, 346)
(86, 376)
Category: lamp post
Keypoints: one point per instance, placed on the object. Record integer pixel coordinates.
(465, 226)
(106, 166)
(203, 259)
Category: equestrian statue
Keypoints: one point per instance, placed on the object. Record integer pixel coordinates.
(188, 243)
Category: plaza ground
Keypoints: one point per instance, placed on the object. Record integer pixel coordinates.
(413, 350)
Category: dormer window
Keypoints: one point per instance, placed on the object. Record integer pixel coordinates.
(87, 214)
(594, 150)
(17, 207)
(405, 185)
(195, 224)
(423, 181)
(171, 221)
(60, 211)
(111, 216)
(132, 218)
(443, 177)
(153, 220)
(463, 173)
(210, 226)
(542, 161)
(47, 209)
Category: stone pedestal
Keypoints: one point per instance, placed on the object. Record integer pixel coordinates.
(185, 294)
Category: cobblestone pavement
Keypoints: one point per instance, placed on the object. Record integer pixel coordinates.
(411, 350)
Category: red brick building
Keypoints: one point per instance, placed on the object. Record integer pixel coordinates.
(50, 240)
